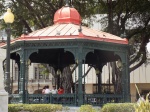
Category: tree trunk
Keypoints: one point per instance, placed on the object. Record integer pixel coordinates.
(116, 78)
(66, 79)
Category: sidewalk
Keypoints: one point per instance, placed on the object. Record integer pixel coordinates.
(74, 109)
(70, 109)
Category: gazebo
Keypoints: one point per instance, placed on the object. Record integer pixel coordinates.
(65, 43)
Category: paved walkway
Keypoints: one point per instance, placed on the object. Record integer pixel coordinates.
(74, 109)
(70, 109)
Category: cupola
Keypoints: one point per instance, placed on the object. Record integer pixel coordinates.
(67, 15)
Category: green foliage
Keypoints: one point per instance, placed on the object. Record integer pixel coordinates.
(118, 107)
(143, 106)
(44, 69)
(15, 107)
(34, 107)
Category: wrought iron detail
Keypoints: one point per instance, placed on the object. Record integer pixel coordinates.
(68, 44)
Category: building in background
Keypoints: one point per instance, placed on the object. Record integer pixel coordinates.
(140, 77)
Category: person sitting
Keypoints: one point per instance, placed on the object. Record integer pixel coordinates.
(60, 90)
(43, 90)
(47, 90)
(54, 90)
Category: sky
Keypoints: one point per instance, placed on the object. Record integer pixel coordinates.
(148, 47)
(3, 35)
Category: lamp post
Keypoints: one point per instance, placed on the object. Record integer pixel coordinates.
(8, 18)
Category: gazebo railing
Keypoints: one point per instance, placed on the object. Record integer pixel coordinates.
(100, 99)
(15, 98)
(64, 99)
(68, 99)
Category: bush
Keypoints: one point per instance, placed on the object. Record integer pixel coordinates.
(34, 107)
(118, 107)
(15, 107)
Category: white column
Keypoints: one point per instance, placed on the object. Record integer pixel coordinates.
(3, 93)
(3, 101)
(2, 57)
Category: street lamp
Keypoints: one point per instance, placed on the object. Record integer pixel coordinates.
(8, 18)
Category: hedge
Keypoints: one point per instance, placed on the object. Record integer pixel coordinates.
(118, 107)
(34, 107)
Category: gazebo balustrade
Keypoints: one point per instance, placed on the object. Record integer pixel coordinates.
(69, 99)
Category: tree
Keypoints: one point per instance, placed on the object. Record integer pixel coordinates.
(130, 17)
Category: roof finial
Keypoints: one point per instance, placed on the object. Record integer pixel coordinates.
(71, 3)
(67, 3)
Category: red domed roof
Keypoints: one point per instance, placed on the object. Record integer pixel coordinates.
(67, 15)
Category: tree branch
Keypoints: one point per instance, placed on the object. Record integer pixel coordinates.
(76, 65)
(22, 19)
(139, 64)
(52, 7)
(34, 13)
(85, 73)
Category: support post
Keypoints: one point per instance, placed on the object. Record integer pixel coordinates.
(22, 77)
(99, 83)
(80, 87)
(125, 78)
